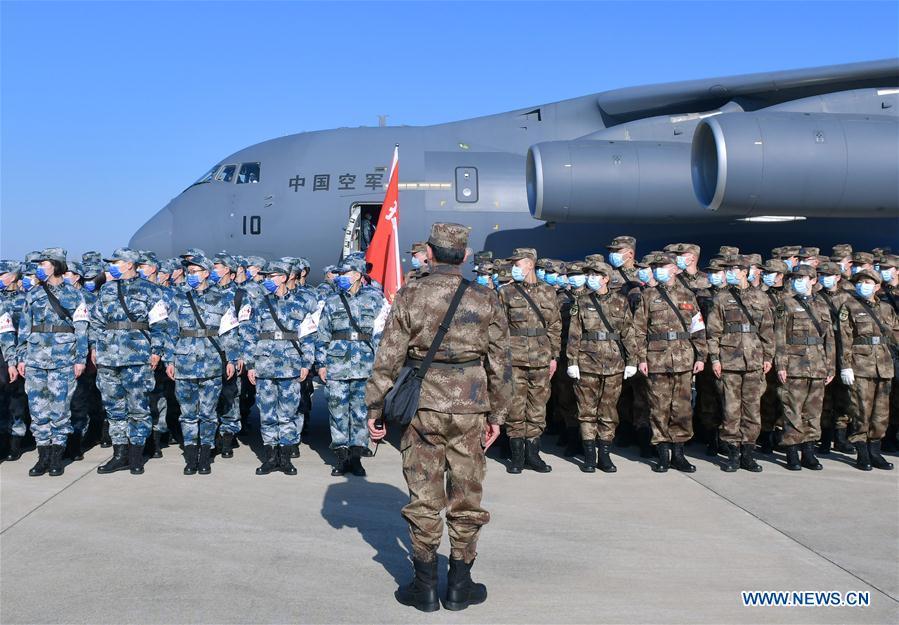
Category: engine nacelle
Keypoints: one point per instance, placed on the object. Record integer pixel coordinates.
(592, 180)
(813, 165)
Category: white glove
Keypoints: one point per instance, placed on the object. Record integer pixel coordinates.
(574, 372)
(629, 372)
(847, 376)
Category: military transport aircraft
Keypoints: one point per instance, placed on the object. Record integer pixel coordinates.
(806, 156)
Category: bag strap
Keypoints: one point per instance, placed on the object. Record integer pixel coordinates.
(677, 314)
(883, 330)
(608, 325)
(124, 306)
(534, 306)
(736, 295)
(442, 330)
(346, 307)
(221, 352)
(238, 300)
(814, 319)
(55, 305)
(280, 325)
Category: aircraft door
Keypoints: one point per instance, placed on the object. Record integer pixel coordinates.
(360, 228)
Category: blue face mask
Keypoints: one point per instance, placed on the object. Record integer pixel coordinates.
(577, 281)
(344, 283)
(27, 283)
(770, 279)
(562, 281)
(843, 267)
(67, 280)
(551, 279)
(789, 263)
(800, 285)
(416, 264)
(644, 275)
(90, 286)
(270, 285)
(732, 278)
(193, 280)
(715, 279)
(752, 274)
(214, 277)
(495, 278)
(541, 274)
(856, 269)
(616, 259)
(141, 273)
(829, 281)
(887, 275)
(593, 283)
(114, 271)
(517, 273)
(864, 289)
(483, 280)
(681, 262)
(661, 274)
(41, 274)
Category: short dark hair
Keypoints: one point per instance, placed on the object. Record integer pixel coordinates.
(59, 267)
(447, 255)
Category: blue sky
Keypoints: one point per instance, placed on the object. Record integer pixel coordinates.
(108, 110)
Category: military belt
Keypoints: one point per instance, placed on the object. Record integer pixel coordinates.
(602, 336)
(211, 331)
(527, 332)
(868, 340)
(669, 336)
(280, 336)
(805, 340)
(46, 328)
(739, 328)
(127, 325)
(414, 362)
(350, 336)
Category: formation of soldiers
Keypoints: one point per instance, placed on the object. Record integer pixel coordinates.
(795, 352)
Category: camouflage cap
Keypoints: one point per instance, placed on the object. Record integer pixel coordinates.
(809, 252)
(255, 261)
(449, 235)
(352, 263)
(75, 267)
(775, 265)
(224, 258)
(239, 261)
(561, 267)
(622, 241)
(841, 251)
(791, 250)
(32, 257)
(193, 251)
(863, 258)
(829, 268)
(304, 263)
(683, 248)
(53, 253)
(91, 257)
(600, 267)
(199, 260)
(575, 268)
(882, 251)
(867, 273)
(27, 268)
(661, 258)
(715, 264)
(484, 268)
(419, 247)
(123, 253)
(167, 266)
(276, 266)
(734, 260)
(646, 260)
(9, 266)
(888, 260)
(541, 263)
(594, 258)
(800, 271)
(482, 257)
(146, 257)
(291, 262)
(91, 270)
(728, 250)
(504, 273)
(330, 269)
(523, 252)
(754, 259)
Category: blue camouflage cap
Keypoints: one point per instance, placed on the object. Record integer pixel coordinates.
(199, 260)
(224, 258)
(352, 263)
(9, 266)
(330, 269)
(168, 265)
(53, 253)
(255, 261)
(32, 257)
(75, 267)
(303, 263)
(91, 256)
(123, 253)
(91, 270)
(193, 251)
(148, 258)
(239, 261)
(277, 266)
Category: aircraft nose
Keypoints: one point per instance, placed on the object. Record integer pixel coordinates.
(156, 234)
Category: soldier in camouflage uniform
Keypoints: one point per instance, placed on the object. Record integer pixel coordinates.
(82, 399)
(327, 287)
(671, 349)
(484, 275)
(622, 257)
(255, 292)
(348, 334)
(773, 274)
(535, 326)
(600, 354)
(708, 403)
(279, 358)
(51, 352)
(418, 257)
(740, 330)
(563, 401)
(464, 399)
(128, 341)
(889, 293)
(805, 363)
(869, 330)
(13, 400)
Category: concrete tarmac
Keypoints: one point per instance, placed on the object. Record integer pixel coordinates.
(566, 547)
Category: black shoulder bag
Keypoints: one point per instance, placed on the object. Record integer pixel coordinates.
(128, 314)
(609, 329)
(356, 329)
(215, 344)
(401, 401)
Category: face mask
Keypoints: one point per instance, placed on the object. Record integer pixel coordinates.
(483, 280)
(887, 275)
(270, 285)
(577, 281)
(800, 285)
(829, 281)
(517, 273)
(251, 273)
(715, 279)
(562, 281)
(551, 279)
(770, 279)
(193, 280)
(681, 262)
(864, 289)
(805, 262)
(27, 283)
(344, 283)
(416, 264)
(214, 277)
(114, 271)
(752, 274)
(876, 267)
(541, 274)
(593, 283)
(90, 286)
(661, 274)
(644, 275)
(41, 274)
(789, 263)
(616, 259)
(843, 267)
(495, 278)
(141, 273)
(732, 278)
(856, 269)
(67, 280)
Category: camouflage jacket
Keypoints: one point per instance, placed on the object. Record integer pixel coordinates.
(345, 357)
(890, 294)
(11, 303)
(115, 344)
(794, 330)
(531, 343)
(738, 343)
(325, 290)
(624, 279)
(242, 303)
(590, 344)
(37, 345)
(863, 347)
(565, 299)
(479, 330)
(669, 342)
(271, 354)
(195, 357)
(835, 300)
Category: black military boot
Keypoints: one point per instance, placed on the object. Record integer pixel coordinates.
(841, 441)
(747, 458)
(793, 463)
(421, 593)
(878, 461)
(191, 459)
(285, 465)
(119, 461)
(589, 465)
(711, 445)
(644, 438)
(228, 445)
(43, 461)
(809, 461)
(293, 451)
(516, 461)
(572, 443)
(136, 459)
(105, 441)
(15, 448)
(272, 461)
(679, 461)
(605, 461)
(355, 462)
(825, 442)
(732, 463)
(766, 443)
(461, 592)
(73, 448)
(862, 457)
(663, 451)
(157, 444)
(203, 460)
(56, 456)
(341, 465)
(532, 458)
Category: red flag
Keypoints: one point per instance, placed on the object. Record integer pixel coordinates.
(384, 250)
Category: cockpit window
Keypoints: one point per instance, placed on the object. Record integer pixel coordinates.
(249, 173)
(226, 174)
(207, 177)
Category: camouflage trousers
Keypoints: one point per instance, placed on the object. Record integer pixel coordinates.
(563, 399)
(124, 391)
(772, 407)
(158, 400)
(802, 399)
(597, 404)
(870, 408)
(228, 408)
(444, 467)
(198, 399)
(278, 399)
(670, 412)
(530, 392)
(835, 413)
(349, 414)
(741, 393)
(13, 406)
(49, 396)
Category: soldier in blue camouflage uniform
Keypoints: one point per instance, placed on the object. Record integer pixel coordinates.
(327, 287)
(345, 350)
(81, 403)
(278, 360)
(255, 291)
(129, 341)
(307, 389)
(51, 353)
(13, 400)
